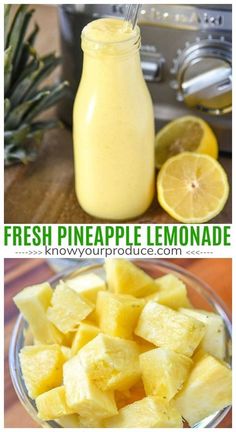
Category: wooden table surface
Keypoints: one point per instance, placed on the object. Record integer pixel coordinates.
(43, 191)
(22, 272)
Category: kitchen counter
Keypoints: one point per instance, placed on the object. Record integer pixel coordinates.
(23, 272)
(43, 191)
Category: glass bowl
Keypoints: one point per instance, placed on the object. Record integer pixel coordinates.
(200, 294)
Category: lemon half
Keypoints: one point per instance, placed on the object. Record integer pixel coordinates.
(192, 188)
(188, 133)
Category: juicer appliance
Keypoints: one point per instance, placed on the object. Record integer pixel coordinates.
(186, 58)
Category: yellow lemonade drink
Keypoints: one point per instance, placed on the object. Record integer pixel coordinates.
(113, 124)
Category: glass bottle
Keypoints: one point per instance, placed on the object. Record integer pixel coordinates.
(113, 124)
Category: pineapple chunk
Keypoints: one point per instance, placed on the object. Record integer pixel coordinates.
(82, 394)
(92, 317)
(52, 404)
(171, 292)
(149, 412)
(118, 313)
(123, 277)
(66, 351)
(143, 344)
(68, 338)
(69, 421)
(41, 367)
(127, 397)
(167, 328)
(85, 333)
(112, 363)
(33, 302)
(207, 389)
(68, 308)
(90, 422)
(164, 372)
(88, 286)
(214, 339)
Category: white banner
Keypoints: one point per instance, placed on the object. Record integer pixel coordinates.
(133, 241)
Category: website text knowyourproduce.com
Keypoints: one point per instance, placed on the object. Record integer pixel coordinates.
(105, 252)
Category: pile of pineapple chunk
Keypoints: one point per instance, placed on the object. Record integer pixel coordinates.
(127, 352)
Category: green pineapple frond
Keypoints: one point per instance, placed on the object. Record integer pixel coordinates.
(24, 96)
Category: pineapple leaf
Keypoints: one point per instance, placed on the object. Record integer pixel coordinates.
(50, 62)
(21, 88)
(17, 32)
(32, 66)
(46, 125)
(20, 46)
(33, 34)
(7, 68)
(36, 136)
(7, 9)
(26, 85)
(14, 34)
(7, 107)
(17, 136)
(7, 58)
(17, 114)
(42, 126)
(37, 129)
(13, 155)
(24, 97)
(52, 97)
(14, 38)
(28, 49)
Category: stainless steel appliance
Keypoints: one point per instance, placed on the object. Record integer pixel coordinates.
(186, 59)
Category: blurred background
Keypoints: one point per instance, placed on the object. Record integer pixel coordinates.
(20, 273)
(186, 60)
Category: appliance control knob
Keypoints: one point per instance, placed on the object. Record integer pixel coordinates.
(203, 75)
(152, 63)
